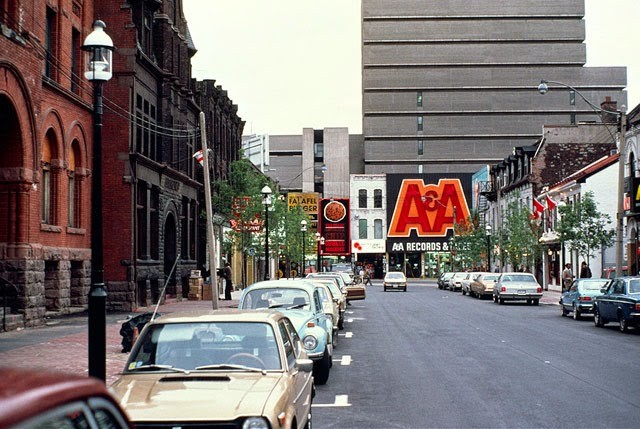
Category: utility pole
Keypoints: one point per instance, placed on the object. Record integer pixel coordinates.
(211, 243)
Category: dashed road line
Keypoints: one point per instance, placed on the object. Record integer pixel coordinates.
(340, 401)
(344, 360)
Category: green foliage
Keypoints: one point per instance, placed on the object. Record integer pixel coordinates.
(470, 243)
(583, 228)
(518, 236)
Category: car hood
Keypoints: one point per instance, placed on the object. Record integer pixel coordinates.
(223, 395)
(299, 318)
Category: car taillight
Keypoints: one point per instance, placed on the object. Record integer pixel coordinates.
(638, 306)
(539, 290)
(585, 298)
(503, 289)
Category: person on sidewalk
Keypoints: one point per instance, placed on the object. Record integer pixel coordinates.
(585, 271)
(567, 277)
(228, 287)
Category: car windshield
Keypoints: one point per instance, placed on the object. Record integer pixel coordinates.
(198, 346)
(395, 276)
(518, 278)
(281, 298)
(490, 277)
(593, 284)
(634, 286)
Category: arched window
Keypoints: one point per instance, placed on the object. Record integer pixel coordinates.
(47, 203)
(74, 191)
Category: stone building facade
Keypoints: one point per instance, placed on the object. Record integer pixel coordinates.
(451, 85)
(45, 162)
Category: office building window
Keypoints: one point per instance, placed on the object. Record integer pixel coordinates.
(51, 43)
(362, 229)
(420, 147)
(377, 229)
(362, 198)
(572, 97)
(419, 99)
(420, 123)
(377, 198)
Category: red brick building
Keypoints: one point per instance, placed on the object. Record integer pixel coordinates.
(45, 136)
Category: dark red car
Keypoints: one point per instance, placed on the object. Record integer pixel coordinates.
(32, 399)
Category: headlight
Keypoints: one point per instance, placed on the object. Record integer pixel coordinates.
(255, 423)
(309, 342)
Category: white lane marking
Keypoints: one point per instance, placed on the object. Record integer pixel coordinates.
(345, 360)
(347, 334)
(350, 311)
(340, 401)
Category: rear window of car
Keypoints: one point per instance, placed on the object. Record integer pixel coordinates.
(395, 275)
(490, 277)
(634, 286)
(593, 284)
(518, 278)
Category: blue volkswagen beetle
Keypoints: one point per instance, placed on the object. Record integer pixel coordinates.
(300, 301)
(620, 303)
(581, 295)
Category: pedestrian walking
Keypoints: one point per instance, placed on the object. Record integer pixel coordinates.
(367, 278)
(567, 277)
(228, 288)
(585, 271)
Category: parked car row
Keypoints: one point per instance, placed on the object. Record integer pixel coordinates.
(609, 300)
(502, 287)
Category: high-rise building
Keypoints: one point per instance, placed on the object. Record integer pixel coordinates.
(451, 85)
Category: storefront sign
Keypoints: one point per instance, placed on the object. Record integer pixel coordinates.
(422, 210)
(368, 246)
(333, 225)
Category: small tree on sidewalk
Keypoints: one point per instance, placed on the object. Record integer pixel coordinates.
(583, 228)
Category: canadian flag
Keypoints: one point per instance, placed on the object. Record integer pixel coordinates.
(538, 208)
(198, 156)
(551, 204)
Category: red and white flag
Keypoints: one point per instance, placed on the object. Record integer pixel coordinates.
(551, 204)
(198, 156)
(538, 209)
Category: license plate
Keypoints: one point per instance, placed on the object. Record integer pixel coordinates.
(522, 292)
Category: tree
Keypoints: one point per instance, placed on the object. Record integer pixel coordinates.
(469, 242)
(518, 236)
(583, 228)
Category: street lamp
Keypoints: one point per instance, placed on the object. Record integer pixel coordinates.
(99, 49)
(320, 243)
(266, 200)
(488, 229)
(621, 119)
(303, 229)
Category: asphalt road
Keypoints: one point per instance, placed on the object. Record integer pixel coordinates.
(429, 358)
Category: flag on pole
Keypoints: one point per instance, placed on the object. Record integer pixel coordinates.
(538, 209)
(199, 157)
(551, 204)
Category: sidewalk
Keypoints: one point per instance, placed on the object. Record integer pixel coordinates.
(68, 353)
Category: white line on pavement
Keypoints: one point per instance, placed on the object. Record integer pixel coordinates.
(340, 401)
(345, 360)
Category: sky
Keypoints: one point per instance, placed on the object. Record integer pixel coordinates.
(292, 64)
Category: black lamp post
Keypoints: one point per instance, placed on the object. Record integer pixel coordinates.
(303, 229)
(266, 200)
(488, 229)
(320, 242)
(99, 48)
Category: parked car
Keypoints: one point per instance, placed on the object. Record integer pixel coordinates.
(581, 295)
(339, 295)
(620, 302)
(250, 364)
(455, 283)
(354, 291)
(330, 306)
(517, 286)
(36, 399)
(299, 300)
(482, 285)
(395, 280)
(345, 269)
(443, 280)
(465, 284)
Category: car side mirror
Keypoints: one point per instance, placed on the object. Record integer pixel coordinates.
(305, 365)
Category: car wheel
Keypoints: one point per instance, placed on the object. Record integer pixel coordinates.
(464, 292)
(529, 302)
(564, 310)
(597, 318)
(341, 322)
(321, 369)
(500, 300)
(536, 301)
(623, 325)
(495, 298)
(405, 289)
(576, 312)
(334, 341)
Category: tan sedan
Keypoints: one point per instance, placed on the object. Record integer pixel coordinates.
(482, 285)
(231, 368)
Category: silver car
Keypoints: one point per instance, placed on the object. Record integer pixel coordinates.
(517, 286)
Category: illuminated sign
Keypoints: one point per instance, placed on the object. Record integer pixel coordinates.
(333, 225)
(422, 210)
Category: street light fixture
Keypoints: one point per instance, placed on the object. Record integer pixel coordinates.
(266, 200)
(320, 243)
(99, 48)
(488, 229)
(621, 119)
(303, 229)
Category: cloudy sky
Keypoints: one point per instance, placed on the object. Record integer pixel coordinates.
(290, 64)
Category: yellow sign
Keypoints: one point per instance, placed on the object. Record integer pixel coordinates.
(307, 201)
